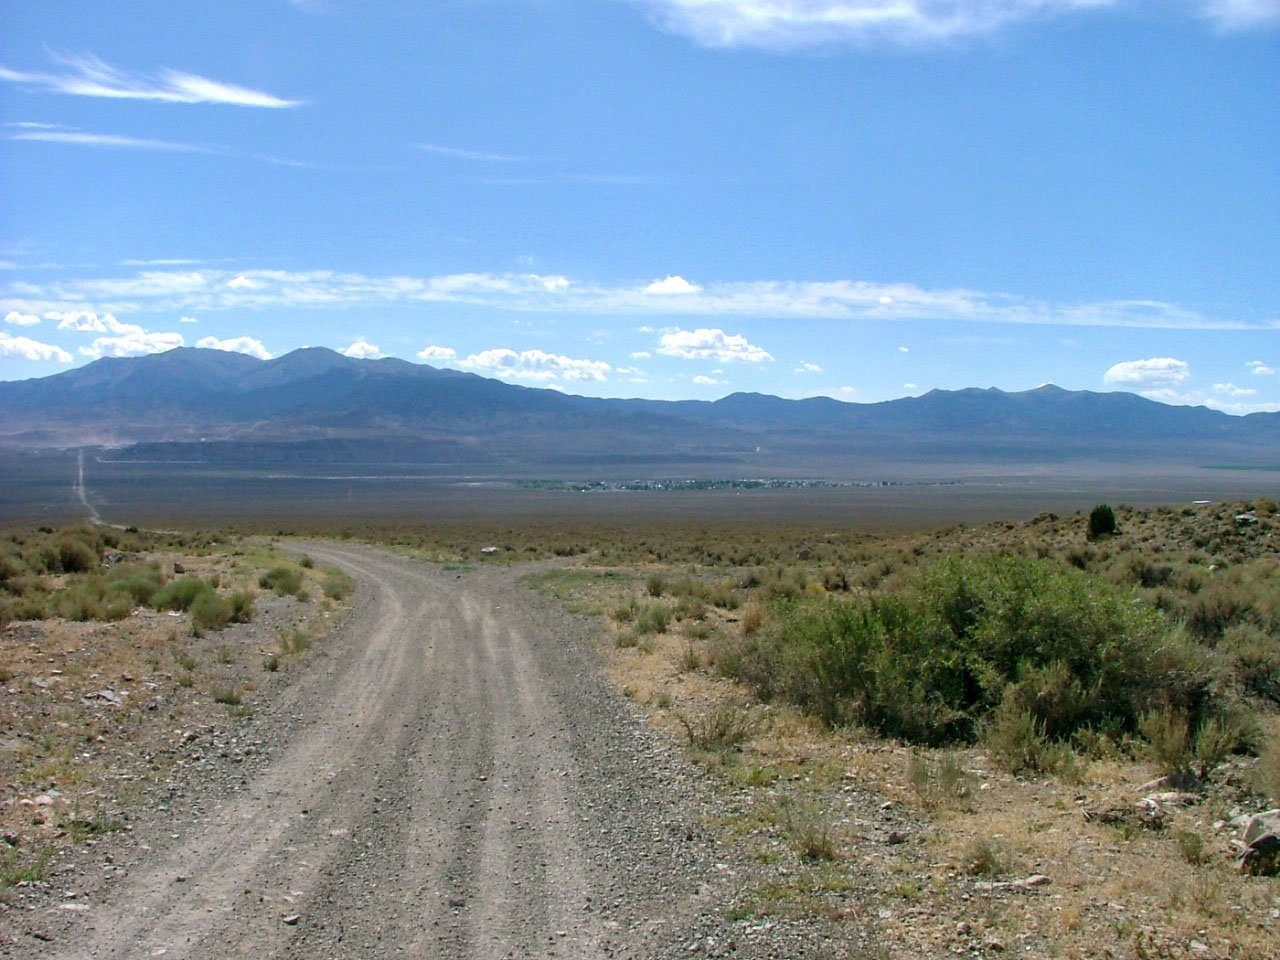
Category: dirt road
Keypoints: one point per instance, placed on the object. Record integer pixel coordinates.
(451, 779)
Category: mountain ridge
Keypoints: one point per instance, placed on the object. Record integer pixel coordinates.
(314, 395)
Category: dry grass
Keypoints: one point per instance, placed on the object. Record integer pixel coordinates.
(1116, 889)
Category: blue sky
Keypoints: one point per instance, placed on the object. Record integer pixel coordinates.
(666, 198)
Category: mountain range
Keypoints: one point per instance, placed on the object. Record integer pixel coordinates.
(317, 406)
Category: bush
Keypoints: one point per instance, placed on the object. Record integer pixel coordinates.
(1102, 522)
(180, 594)
(338, 585)
(930, 664)
(138, 580)
(282, 580)
(210, 612)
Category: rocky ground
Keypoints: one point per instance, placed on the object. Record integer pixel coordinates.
(456, 765)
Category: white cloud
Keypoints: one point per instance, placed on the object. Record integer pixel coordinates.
(29, 349)
(1241, 14)
(459, 154)
(195, 291)
(788, 24)
(437, 353)
(188, 320)
(362, 349)
(21, 319)
(641, 355)
(106, 140)
(710, 344)
(535, 365)
(1231, 390)
(704, 381)
(910, 386)
(672, 285)
(791, 24)
(1259, 369)
(1155, 377)
(904, 349)
(245, 345)
(807, 367)
(132, 345)
(88, 76)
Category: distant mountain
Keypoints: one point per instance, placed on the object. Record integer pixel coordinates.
(316, 406)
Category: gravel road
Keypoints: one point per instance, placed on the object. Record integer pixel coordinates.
(452, 778)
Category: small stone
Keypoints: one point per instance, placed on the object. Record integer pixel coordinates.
(291, 920)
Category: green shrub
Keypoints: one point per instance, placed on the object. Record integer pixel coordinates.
(283, 579)
(653, 618)
(1015, 740)
(140, 581)
(1102, 522)
(931, 663)
(72, 555)
(338, 584)
(210, 612)
(242, 610)
(180, 594)
(724, 727)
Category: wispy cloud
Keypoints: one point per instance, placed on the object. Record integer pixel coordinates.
(457, 153)
(1241, 14)
(201, 290)
(109, 140)
(88, 76)
(791, 24)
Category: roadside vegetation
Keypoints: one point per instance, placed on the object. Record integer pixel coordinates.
(932, 725)
(125, 653)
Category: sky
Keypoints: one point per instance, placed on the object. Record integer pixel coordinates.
(861, 199)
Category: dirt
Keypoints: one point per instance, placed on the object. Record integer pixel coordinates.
(461, 767)
(451, 778)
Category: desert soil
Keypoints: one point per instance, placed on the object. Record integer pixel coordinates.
(450, 777)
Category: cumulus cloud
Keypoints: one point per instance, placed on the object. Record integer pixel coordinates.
(807, 367)
(710, 344)
(791, 24)
(437, 353)
(88, 76)
(245, 345)
(28, 349)
(1231, 390)
(188, 320)
(362, 349)
(672, 284)
(21, 319)
(1155, 377)
(705, 381)
(1260, 369)
(125, 340)
(535, 365)
(641, 355)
